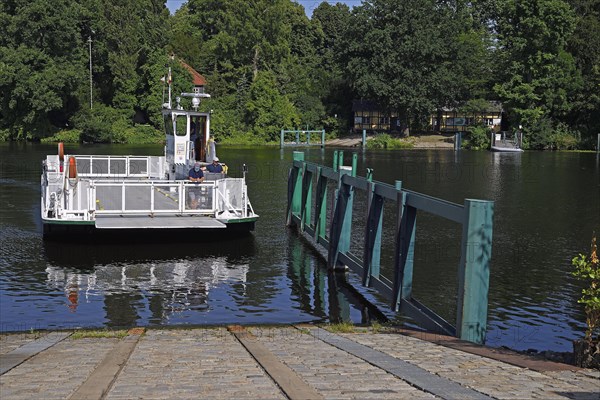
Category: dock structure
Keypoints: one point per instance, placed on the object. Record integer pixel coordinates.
(506, 142)
(475, 216)
(301, 138)
(283, 362)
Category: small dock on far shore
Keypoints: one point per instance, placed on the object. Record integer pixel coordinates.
(276, 362)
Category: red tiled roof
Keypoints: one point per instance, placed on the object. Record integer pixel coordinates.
(197, 79)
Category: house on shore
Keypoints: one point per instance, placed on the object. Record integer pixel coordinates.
(369, 116)
(198, 80)
(455, 120)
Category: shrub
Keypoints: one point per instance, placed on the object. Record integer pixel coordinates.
(478, 137)
(4, 135)
(536, 136)
(563, 138)
(96, 125)
(385, 141)
(66, 136)
(143, 134)
(243, 139)
(588, 271)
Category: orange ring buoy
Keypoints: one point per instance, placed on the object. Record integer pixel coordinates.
(72, 168)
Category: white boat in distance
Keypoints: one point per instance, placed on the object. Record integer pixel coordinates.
(505, 142)
(147, 194)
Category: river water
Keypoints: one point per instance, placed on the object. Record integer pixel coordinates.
(546, 208)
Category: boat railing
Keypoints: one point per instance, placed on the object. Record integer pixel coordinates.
(507, 139)
(119, 166)
(152, 197)
(83, 199)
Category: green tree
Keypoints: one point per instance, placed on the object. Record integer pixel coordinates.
(584, 44)
(540, 77)
(267, 109)
(126, 33)
(153, 75)
(239, 40)
(300, 74)
(336, 89)
(40, 57)
(402, 54)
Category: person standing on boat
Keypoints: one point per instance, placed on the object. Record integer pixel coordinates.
(197, 176)
(215, 166)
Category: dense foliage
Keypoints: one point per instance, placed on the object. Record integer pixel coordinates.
(269, 66)
(588, 271)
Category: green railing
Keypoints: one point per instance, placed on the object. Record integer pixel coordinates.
(301, 138)
(476, 217)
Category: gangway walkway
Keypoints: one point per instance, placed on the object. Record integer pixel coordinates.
(294, 362)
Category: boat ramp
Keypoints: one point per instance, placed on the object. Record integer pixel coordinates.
(294, 362)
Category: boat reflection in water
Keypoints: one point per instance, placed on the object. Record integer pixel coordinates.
(135, 280)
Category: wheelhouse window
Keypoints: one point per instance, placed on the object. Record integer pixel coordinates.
(168, 124)
(181, 126)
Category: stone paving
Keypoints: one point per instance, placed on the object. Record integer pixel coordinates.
(10, 342)
(494, 378)
(185, 364)
(211, 363)
(333, 372)
(56, 372)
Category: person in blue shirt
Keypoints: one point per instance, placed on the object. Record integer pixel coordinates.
(215, 166)
(197, 176)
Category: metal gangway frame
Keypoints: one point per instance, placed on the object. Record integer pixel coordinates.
(475, 216)
(302, 138)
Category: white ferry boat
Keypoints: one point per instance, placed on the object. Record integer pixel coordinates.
(147, 194)
(505, 142)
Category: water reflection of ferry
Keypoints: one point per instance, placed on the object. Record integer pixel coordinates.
(181, 285)
(169, 278)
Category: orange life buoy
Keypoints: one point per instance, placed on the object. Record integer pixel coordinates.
(72, 168)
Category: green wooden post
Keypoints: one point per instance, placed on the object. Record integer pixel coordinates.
(292, 176)
(306, 198)
(405, 248)
(341, 223)
(282, 139)
(474, 270)
(354, 163)
(372, 248)
(335, 160)
(297, 192)
(346, 233)
(340, 159)
(323, 138)
(321, 206)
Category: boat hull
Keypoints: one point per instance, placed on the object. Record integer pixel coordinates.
(506, 149)
(85, 231)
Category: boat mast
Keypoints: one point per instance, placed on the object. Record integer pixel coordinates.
(169, 80)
